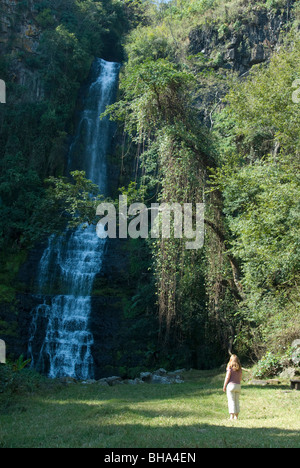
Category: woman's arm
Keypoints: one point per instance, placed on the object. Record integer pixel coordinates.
(227, 378)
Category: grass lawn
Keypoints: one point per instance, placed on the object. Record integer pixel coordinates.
(189, 415)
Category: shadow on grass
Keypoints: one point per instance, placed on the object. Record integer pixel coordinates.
(111, 418)
(82, 425)
(197, 436)
(188, 415)
(282, 387)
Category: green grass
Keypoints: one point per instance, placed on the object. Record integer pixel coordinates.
(189, 415)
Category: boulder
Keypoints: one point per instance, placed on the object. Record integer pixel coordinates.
(158, 379)
(264, 383)
(296, 344)
(102, 382)
(160, 372)
(134, 381)
(288, 373)
(138, 381)
(161, 376)
(257, 54)
(261, 383)
(296, 352)
(145, 376)
(67, 380)
(113, 380)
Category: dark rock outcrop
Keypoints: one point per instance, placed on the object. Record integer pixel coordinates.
(20, 34)
(241, 45)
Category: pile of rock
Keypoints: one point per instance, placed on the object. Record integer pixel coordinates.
(160, 376)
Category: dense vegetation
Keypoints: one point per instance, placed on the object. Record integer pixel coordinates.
(194, 131)
(33, 129)
(237, 150)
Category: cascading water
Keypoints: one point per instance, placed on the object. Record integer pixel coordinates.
(70, 263)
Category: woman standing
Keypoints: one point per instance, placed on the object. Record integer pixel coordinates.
(232, 385)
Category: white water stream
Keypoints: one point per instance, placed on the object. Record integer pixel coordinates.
(70, 263)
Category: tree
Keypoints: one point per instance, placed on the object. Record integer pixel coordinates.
(258, 134)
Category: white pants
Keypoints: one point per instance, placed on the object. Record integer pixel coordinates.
(233, 395)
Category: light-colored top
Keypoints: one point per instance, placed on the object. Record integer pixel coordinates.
(234, 376)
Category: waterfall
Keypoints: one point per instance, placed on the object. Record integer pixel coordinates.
(70, 262)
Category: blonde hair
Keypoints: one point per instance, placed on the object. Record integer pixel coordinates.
(234, 363)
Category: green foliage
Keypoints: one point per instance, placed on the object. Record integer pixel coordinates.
(149, 43)
(15, 379)
(68, 62)
(192, 13)
(262, 107)
(156, 106)
(20, 189)
(33, 141)
(38, 120)
(269, 366)
(243, 287)
(252, 201)
(74, 201)
(153, 95)
(275, 4)
(258, 137)
(262, 211)
(45, 18)
(20, 363)
(10, 264)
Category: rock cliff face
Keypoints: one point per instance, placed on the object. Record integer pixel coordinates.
(107, 314)
(19, 35)
(19, 26)
(239, 46)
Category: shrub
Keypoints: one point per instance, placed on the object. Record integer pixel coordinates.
(269, 366)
